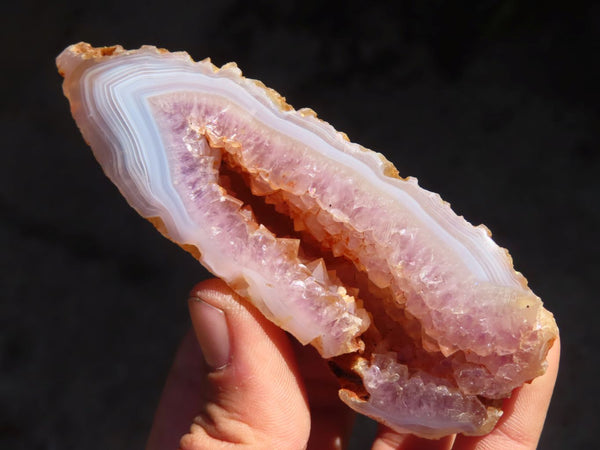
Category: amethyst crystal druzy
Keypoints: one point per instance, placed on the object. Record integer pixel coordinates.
(421, 314)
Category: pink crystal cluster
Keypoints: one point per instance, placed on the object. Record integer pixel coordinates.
(377, 273)
(273, 263)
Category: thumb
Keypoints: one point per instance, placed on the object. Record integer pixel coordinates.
(250, 391)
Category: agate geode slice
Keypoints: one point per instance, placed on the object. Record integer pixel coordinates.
(420, 314)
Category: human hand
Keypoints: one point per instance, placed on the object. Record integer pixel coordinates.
(247, 385)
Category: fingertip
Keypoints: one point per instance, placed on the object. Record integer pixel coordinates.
(525, 411)
(210, 288)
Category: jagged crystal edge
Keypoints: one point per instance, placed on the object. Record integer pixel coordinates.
(476, 254)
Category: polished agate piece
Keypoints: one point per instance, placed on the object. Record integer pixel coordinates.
(421, 315)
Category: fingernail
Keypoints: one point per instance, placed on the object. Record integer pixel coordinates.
(210, 325)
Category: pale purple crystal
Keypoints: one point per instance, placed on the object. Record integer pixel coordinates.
(423, 316)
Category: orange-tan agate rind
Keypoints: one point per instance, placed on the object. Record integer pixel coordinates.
(421, 315)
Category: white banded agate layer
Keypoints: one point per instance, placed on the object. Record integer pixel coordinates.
(377, 273)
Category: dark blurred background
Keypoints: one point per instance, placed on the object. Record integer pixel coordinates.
(494, 104)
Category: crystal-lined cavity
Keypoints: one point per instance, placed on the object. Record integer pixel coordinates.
(422, 315)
